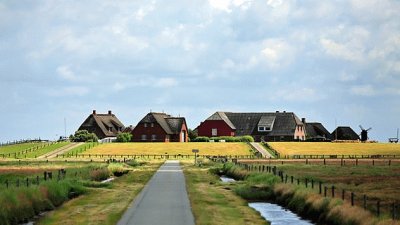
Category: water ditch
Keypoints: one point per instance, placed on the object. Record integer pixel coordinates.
(274, 213)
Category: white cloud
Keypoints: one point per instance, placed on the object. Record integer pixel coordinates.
(363, 90)
(274, 3)
(165, 82)
(340, 50)
(277, 53)
(223, 5)
(69, 91)
(66, 73)
(298, 94)
(346, 77)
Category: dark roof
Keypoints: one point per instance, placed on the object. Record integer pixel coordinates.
(281, 123)
(344, 133)
(316, 130)
(108, 124)
(171, 125)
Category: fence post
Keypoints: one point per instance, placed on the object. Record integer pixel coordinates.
(356, 162)
(378, 208)
(352, 199)
(27, 182)
(7, 184)
(365, 201)
(320, 187)
(37, 180)
(298, 181)
(393, 211)
(324, 161)
(343, 192)
(291, 179)
(373, 162)
(333, 191)
(306, 181)
(312, 184)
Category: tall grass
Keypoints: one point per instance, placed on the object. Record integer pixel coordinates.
(19, 204)
(266, 187)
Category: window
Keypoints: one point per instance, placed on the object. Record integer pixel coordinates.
(152, 124)
(153, 137)
(214, 132)
(144, 137)
(145, 124)
(263, 128)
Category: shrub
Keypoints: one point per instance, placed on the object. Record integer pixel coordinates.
(124, 137)
(201, 139)
(100, 174)
(254, 193)
(246, 138)
(133, 163)
(117, 169)
(84, 136)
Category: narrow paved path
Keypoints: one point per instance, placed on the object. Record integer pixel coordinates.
(261, 149)
(163, 200)
(60, 151)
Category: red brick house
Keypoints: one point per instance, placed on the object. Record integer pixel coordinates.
(160, 127)
(103, 125)
(278, 126)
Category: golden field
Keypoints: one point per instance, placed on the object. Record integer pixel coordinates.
(205, 148)
(328, 148)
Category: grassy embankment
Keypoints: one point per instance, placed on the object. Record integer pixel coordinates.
(305, 201)
(213, 203)
(103, 205)
(328, 148)
(10, 149)
(20, 202)
(171, 149)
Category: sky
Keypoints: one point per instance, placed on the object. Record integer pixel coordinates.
(335, 62)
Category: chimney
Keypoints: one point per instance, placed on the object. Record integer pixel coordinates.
(94, 112)
(109, 112)
(277, 111)
(303, 120)
(284, 111)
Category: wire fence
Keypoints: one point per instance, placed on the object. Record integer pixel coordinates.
(373, 204)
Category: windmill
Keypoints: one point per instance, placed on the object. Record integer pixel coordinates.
(364, 133)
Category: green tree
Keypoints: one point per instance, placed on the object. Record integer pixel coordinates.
(124, 137)
(84, 136)
(192, 134)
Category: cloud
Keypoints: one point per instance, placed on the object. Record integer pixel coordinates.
(277, 53)
(165, 82)
(364, 90)
(340, 50)
(66, 73)
(69, 91)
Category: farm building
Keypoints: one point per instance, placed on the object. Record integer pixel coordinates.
(344, 133)
(315, 131)
(278, 126)
(103, 125)
(160, 127)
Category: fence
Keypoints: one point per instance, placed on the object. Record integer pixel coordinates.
(341, 156)
(155, 156)
(341, 162)
(374, 205)
(20, 142)
(26, 151)
(26, 182)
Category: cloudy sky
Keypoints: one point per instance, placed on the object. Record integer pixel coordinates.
(324, 60)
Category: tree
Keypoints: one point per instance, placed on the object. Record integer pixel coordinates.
(192, 134)
(124, 137)
(84, 136)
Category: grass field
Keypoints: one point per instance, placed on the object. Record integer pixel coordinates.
(103, 206)
(328, 148)
(213, 203)
(44, 150)
(18, 147)
(171, 148)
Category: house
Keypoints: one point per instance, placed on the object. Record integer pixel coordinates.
(315, 131)
(103, 125)
(344, 133)
(160, 127)
(268, 126)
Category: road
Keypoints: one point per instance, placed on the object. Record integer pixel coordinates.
(163, 200)
(261, 150)
(60, 151)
